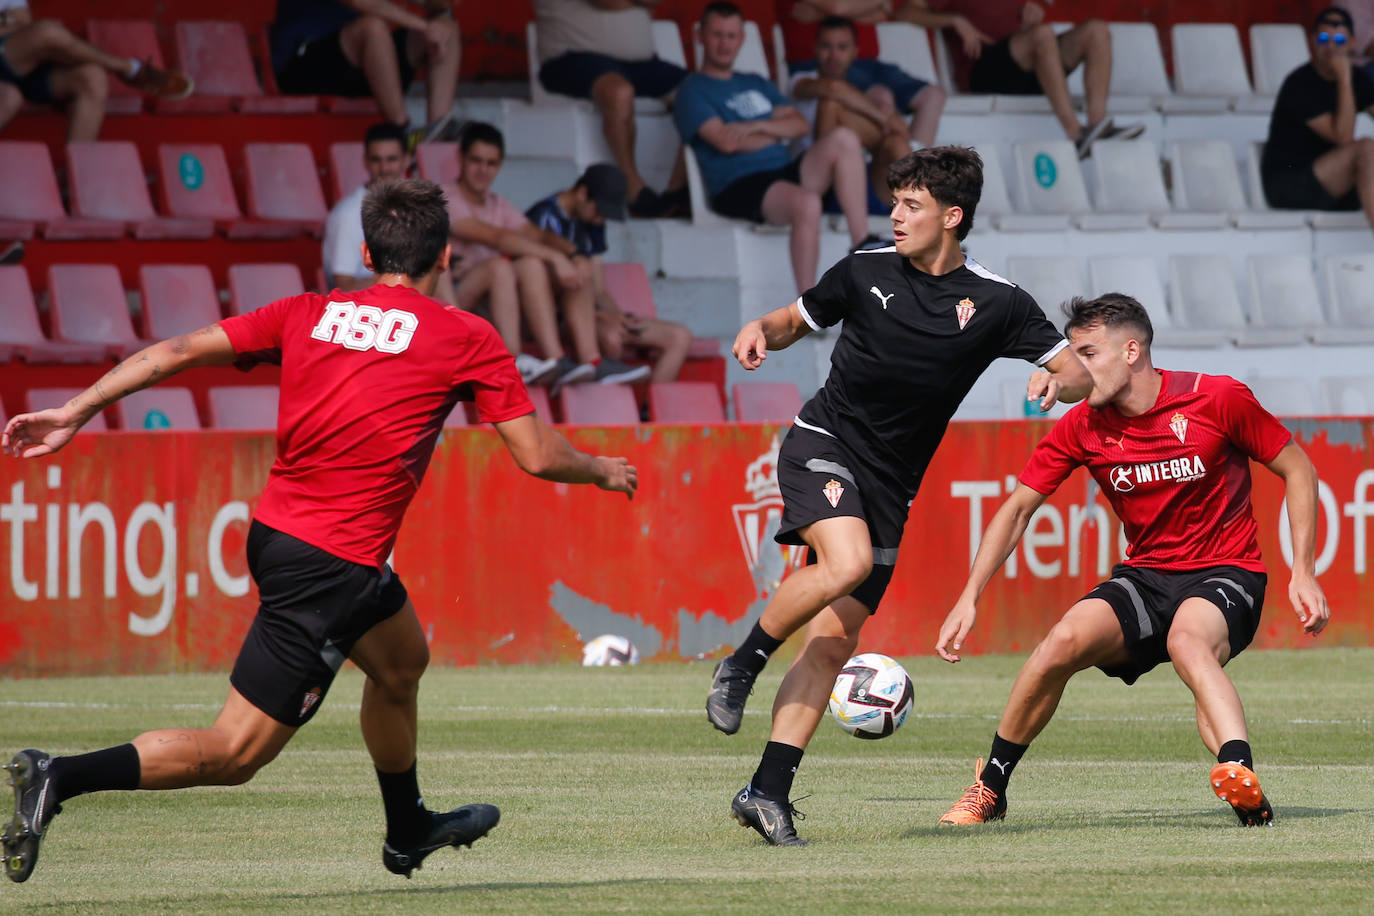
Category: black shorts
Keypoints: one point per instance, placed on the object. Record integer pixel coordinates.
(996, 70)
(314, 609)
(1299, 189)
(574, 72)
(743, 197)
(1145, 601)
(820, 478)
(319, 67)
(35, 86)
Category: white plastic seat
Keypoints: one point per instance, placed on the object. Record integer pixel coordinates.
(1138, 62)
(907, 46)
(702, 214)
(1349, 396)
(1285, 396)
(1138, 277)
(958, 102)
(1049, 180)
(1283, 294)
(784, 75)
(1276, 51)
(668, 42)
(1203, 292)
(995, 204)
(1260, 215)
(1209, 65)
(1051, 279)
(1350, 289)
(1207, 181)
(1126, 178)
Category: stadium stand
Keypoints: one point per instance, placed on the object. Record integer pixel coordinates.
(346, 169)
(1276, 51)
(1350, 286)
(1209, 64)
(1286, 396)
(21, 335)
(457, 417)
(1349, 395)
(248, 407)
(160, 408)
(107, 182)
(216, 55)
(765, 402)
(134, 38)
(29, 198)
(88, 306)
(628, 283)
(252, 286)
(685, 402)
(43, 398)
(539, 396)
(284, 186)
(176, 299)
(598, 405)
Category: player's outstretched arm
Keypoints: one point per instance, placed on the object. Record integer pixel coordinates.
(1062, 379)
(777, 330)
(1000, 538)
(31, 435)
(1300, 492)
(541, 451)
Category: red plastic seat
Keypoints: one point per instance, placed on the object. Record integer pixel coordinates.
(628, 284)
(346, 169)
(284, 185)
(157, 409)
(22, 336)
(539, 396)
(766, 402)
(177, 299)
(457, 417)
(685, 402)
(252, 286)
(136, 38)
(29, 195)
(43, 398)
(599, 405)
(194, 182)
(216, 56)
(243, 407)
(88, 306)
(107, 182)
(438, 162)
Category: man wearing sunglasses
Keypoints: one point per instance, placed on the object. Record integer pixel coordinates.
(1312, 160)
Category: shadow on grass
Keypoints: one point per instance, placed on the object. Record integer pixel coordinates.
(1130, 819)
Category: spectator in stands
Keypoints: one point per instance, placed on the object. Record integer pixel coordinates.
(518, 268)
(359, 48)
(1026, 57)
(842, 92)
(886, 84)
(1312, 160)
(576, 217)
(603, 50)
(43, 62)
(739, 126)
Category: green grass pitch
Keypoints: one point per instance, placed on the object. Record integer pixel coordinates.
(615, 794)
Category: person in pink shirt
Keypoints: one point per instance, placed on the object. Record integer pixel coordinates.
(504, 259)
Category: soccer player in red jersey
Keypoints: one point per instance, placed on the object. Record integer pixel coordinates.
(366, 385)
(1171, 452)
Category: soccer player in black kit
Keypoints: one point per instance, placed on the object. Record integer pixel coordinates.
(921, 323)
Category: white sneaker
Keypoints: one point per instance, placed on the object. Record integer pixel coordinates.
(614, 372)
(533, 370)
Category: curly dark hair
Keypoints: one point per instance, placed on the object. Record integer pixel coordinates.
(953, 175)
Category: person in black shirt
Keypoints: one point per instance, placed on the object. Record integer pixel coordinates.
(921, 323)
(1312, 160)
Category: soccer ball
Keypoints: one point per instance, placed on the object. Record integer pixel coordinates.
(609, 650)
(872, 696)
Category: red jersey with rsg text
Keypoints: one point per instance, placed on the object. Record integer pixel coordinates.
(1177, 475)
(367, 379)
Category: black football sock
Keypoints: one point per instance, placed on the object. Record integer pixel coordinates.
(406, 817)
(1002, 759)
(114, 768)
(1236, 752)
(776, 771)
(755, 651)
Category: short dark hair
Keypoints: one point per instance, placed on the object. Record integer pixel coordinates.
(953, 175)
(837, 22)
(384, 131)
(405, 225)
(482, 132)
(1333, 15)
(1111, 310)
(722, 8)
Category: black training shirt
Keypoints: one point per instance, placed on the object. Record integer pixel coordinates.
(1303, 96)
(911, 347)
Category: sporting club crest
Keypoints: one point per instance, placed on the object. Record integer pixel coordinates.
(756, 522)
(1179, 424)
(964, 311)
(833, 490)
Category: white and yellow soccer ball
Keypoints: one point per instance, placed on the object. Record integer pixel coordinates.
(609, 649)
(872, 696)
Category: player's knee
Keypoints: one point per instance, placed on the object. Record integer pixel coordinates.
(1062, 648)
(1187, 650)
(243, 762)
(847, 572)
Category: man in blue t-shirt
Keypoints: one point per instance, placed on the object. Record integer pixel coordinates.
(738, 125)
(574, 220)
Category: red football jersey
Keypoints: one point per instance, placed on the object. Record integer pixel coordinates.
(1178, 475)
(367, 379)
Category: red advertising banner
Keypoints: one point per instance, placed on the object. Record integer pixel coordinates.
(125, 552)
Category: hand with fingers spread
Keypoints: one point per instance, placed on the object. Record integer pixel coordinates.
(955, 629)
(32, 435)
